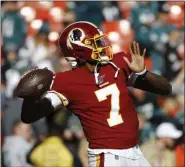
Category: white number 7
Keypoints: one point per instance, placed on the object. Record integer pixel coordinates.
(115, 118)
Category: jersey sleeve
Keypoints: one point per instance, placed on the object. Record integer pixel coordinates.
(119, 60)
(58, 87)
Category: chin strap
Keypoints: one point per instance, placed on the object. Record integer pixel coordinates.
(96, 73)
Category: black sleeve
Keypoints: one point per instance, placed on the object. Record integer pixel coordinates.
(33, 110)
(153, 83)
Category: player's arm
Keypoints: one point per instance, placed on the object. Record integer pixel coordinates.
(153, 83)
(39, 89)
(35, 109)
(143, 79)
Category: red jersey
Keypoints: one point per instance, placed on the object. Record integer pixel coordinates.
(106, 112)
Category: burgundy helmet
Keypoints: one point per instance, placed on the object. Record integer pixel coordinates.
(83, 41)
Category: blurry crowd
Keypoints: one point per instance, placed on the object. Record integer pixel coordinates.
(58, 140)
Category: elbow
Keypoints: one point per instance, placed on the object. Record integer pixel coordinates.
(26, 121)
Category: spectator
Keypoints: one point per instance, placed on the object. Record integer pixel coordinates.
(142, 17)
(111, 11)
(16, 146)
(69, 16)
(75, 126)
(159, 151)
(143, 14)
(75, 129)
(38, 50)
(172, 61)
(146, 132)
(169, 106)
(3, 66)
(58, 126)
(40, 128)
(14, 29)
(179, 152)
(36, 53)
(51, 152)
(89, 11)
(180, 114)
(12, 112)
(14, 32)
(145, 103)
(3, 97)
(12, 76)
(83, 155)
(178, 81)
(159, 36)
(57, 122)
(179, 155)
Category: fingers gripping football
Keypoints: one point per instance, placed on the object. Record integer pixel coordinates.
(34, 83)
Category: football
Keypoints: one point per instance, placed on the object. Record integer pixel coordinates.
(34, 83)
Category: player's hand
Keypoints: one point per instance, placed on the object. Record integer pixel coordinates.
(137, 65)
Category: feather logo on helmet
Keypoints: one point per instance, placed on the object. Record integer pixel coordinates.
(75, 36)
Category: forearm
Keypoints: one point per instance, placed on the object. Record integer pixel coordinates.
(153, 83)
(35, 110)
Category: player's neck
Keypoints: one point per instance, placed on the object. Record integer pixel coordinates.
(89, 67)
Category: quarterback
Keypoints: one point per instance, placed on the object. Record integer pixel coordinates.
(96, 90)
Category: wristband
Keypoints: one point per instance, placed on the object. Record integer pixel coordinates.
(132, 78)
(141, 73)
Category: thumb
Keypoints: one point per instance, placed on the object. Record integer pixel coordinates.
(127, 61)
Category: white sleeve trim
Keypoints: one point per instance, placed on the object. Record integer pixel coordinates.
(57, 99)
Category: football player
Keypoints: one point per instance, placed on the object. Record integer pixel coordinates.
(96, 90)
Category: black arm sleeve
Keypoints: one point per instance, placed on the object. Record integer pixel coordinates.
(153, 83)
(33, 110)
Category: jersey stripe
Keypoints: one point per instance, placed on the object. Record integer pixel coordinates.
(97, 160)
(102, 160)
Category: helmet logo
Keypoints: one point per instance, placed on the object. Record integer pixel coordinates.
(76, 35)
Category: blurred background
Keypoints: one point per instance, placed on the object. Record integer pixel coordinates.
(29, 34)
